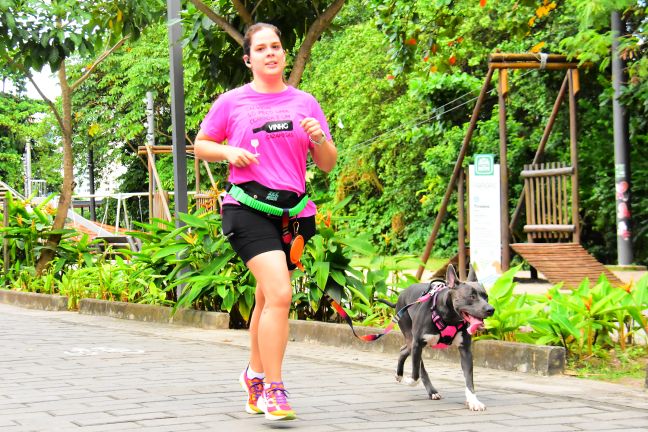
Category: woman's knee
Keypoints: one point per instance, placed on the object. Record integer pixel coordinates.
(278, 297)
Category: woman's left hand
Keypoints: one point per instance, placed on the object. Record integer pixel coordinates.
(312, 128)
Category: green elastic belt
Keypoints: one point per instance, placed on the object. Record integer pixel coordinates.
(239, 195)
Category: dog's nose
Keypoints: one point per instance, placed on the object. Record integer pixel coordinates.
(490, 310)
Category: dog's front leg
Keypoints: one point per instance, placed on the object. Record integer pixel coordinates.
(467, 366)
(417, 350)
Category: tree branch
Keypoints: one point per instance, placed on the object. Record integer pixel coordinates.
(29, 76)
(243, 12)
(96, 63)
(316, 29)
(219, 20)
(46, 99)
(256, 6)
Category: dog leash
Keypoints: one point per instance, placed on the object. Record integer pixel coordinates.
(435, 286)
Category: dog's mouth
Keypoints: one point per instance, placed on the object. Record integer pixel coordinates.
(474, 323)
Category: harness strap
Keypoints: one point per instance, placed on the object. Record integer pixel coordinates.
(239, 195)
(447, 332)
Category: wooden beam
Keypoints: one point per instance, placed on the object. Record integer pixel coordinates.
(161, 149)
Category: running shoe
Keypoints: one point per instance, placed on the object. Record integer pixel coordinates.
(274, 404)
(254, 388)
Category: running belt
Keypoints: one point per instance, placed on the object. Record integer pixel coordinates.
(239, 195)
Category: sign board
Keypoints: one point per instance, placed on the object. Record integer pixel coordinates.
(485, 218)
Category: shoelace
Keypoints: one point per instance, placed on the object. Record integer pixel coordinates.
(279, 394)
(256, 385)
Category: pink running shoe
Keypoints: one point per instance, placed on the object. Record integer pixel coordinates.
(274, 404)
(254, 388)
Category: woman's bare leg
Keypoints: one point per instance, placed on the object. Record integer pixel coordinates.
(255, 357)
(271, 329)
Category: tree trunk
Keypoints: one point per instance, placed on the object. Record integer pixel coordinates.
(65, 198)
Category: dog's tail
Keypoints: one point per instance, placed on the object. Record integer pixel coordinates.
(387, 302)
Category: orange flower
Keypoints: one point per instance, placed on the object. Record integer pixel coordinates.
(452, 59)
(410, 41)
(482, 3)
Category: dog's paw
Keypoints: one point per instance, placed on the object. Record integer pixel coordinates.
(473, 403)
(411, 382)
(436, 396)
(399, 378)
(476, 406)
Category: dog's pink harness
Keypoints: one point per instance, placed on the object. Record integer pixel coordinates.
(447, 332)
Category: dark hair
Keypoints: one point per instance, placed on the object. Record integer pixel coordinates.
(247, 39)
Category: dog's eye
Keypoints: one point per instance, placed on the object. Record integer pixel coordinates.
(473, 297)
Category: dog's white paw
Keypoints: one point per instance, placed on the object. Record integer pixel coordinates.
(410, 382)
(399, 378)
(473, 403)
(436, 396)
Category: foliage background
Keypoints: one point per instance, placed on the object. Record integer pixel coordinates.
(397, 80)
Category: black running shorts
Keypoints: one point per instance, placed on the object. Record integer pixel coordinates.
(251, 232)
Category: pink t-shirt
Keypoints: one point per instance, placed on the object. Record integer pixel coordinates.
(269, 121)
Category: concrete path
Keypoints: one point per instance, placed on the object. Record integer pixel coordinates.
(62, 371)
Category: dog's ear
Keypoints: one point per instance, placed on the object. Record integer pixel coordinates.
(472, 275)
(451, 276)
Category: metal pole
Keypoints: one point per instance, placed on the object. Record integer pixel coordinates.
(177, 115)
(621, 151)
(28, 168)
(91, 180)
(177, 109)
(150, 139)
(5, 240)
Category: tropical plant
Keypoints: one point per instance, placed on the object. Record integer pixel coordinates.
(512, 313)
(583, 321)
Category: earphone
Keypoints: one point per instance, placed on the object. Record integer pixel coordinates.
(247, 62)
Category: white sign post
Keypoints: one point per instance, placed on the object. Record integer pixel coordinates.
(485, 226)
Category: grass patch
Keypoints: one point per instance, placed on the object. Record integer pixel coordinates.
(623, 367)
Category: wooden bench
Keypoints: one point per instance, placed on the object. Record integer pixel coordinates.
(549, 210)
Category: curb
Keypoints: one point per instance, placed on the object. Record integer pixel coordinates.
(30, 300)
(509, 356)
(500, 355)
(151, 313)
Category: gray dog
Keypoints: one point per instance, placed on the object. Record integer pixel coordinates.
(454, 311)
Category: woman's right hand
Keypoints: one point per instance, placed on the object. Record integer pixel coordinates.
(240, 158)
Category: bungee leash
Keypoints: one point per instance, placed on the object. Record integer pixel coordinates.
(436, 285)
(374, 337)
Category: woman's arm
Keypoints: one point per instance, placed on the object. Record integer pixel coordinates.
(324, 151)
(325, 154)
(208, 149)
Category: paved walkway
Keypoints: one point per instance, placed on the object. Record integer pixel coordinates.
(61, 371)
